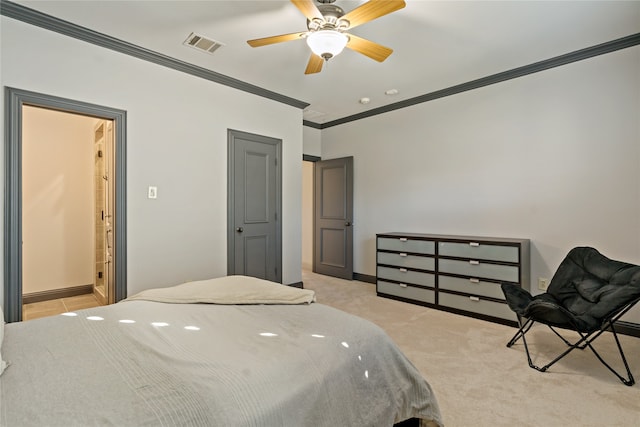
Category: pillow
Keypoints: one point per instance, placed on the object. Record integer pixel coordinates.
(231, 290)
(3, 364)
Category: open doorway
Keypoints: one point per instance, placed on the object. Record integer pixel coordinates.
(307, 211)
(327, 216)
(57, 223)
(66, 211)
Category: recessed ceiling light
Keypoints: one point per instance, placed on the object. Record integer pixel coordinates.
(364, 100)
(391, 92)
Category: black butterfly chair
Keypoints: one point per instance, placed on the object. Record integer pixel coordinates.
(587, 294)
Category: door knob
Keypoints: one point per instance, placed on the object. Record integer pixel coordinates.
(239, 229)
(348, 224)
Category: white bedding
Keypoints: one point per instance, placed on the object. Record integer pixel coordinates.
(228, 290)
(208, 365)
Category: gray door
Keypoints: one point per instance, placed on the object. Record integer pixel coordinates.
(333, 230)
(254, 235)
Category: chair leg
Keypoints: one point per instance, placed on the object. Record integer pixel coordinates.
(521, 331)
(563, 338)
(629, 381)
(583, 338)
(584, 341)
(524, 328)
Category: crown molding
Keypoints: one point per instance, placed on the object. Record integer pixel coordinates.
(311, 124)
(33, 17)
(48, 22)
(578, 55)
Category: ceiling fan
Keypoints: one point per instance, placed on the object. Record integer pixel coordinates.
(327, 26)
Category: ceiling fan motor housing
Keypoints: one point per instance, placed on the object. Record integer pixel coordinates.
(331, 19)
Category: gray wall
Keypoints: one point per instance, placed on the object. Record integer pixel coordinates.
(177, 141)
(312, 144)
(553, 157)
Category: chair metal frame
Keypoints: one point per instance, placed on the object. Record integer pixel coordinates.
(586, 338)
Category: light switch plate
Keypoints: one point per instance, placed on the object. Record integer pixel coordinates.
(543, 283)
(153, 193)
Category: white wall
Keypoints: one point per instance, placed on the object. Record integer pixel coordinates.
(553, 157)
(312, 141)
(57, 199)
(177, 140)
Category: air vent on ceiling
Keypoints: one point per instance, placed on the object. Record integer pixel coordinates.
(202, 43)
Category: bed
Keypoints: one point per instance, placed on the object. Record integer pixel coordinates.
(232, 351)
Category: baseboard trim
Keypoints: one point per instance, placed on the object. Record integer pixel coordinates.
(364, 278)
(299, 285)
(56, 294)
(622, 327)
(628, 328)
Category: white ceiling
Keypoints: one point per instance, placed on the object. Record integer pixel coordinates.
(437, 44)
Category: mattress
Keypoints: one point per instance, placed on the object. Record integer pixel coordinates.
(142, 362)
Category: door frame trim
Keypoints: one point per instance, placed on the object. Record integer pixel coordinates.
(232, 134)
(15, 99)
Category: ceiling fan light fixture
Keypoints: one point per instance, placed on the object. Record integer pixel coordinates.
(327, 43)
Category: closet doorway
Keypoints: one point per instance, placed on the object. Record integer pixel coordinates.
(65, 200)
(67, 166)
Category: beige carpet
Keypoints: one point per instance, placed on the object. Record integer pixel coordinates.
(479, 381)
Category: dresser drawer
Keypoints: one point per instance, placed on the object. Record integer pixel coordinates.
(406, 276)
(478, 269)
(407, 291)
(476, 305)
(404, 244)
(402, 259)
(471, 286)
(475, 250)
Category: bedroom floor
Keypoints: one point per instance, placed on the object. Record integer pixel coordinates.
(54, 307)
(478, 381)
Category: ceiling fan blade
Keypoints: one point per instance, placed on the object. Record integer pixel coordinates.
(308, 9)
(275, 39)
(314, 65)
(366, 47)
(372, 10)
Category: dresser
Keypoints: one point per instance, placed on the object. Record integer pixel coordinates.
(460, 274)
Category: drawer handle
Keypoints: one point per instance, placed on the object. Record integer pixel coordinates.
(403, 239)
(402, 270)
(402, 254)
(475, 244)
(403, 285)
(474, 262)
(476, 299)
(473, 280)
